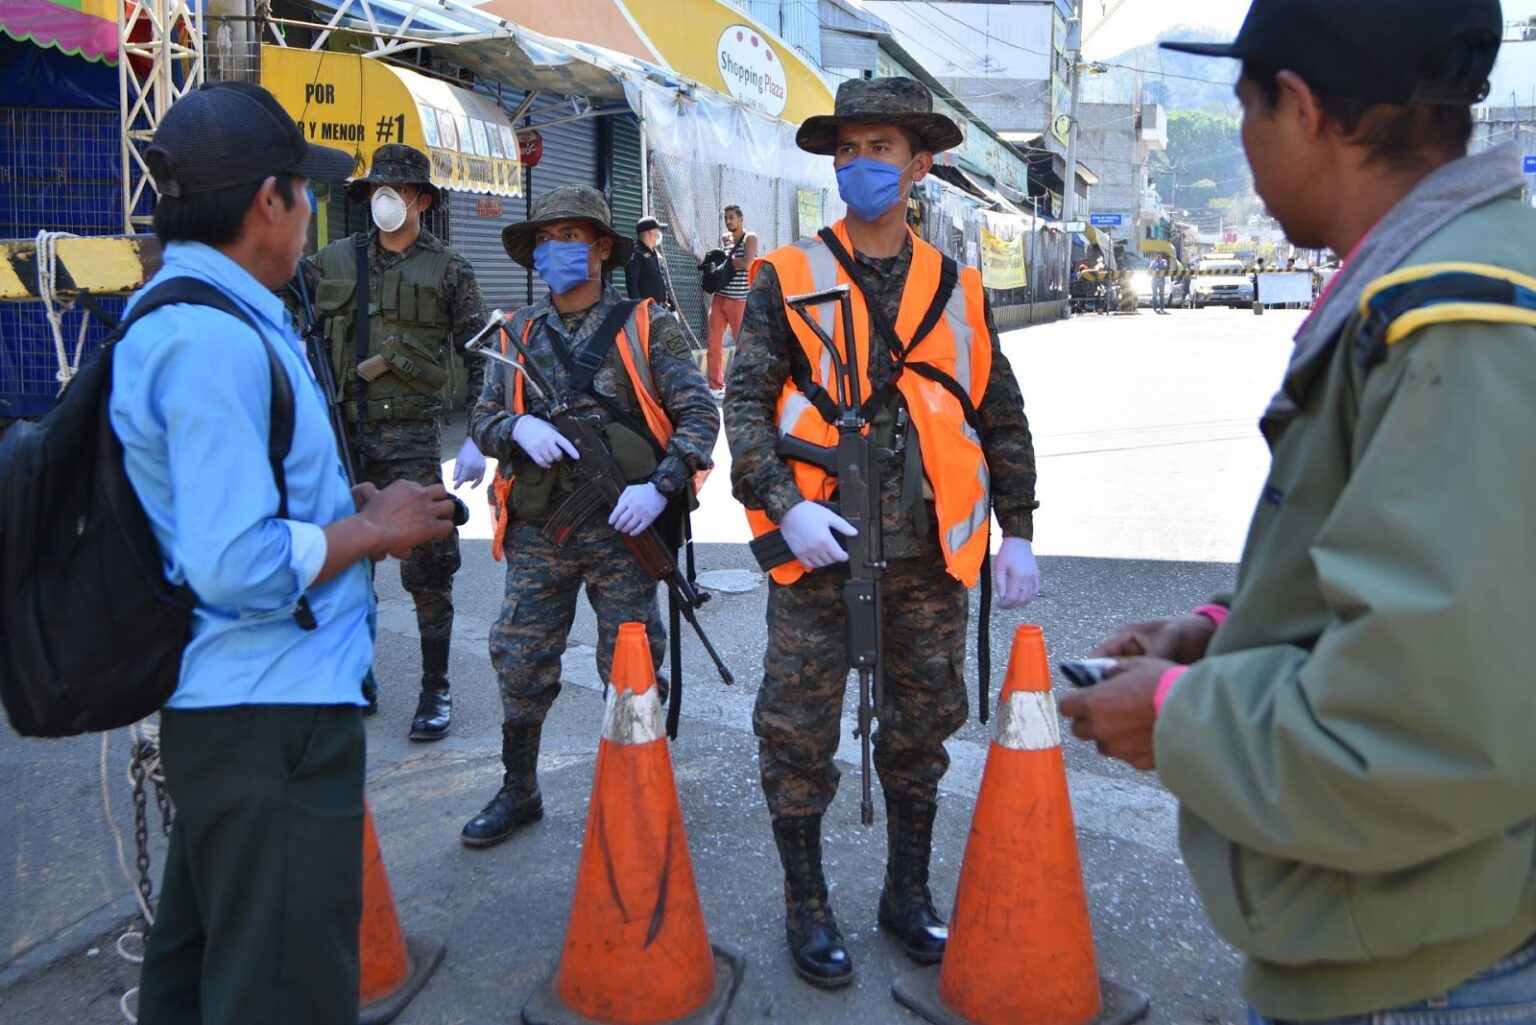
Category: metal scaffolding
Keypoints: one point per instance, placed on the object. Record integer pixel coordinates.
(160, 59)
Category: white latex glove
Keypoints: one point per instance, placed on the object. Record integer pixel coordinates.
(637, 508)
(468, 465)
(1015, 575)
(807, 529)
(544, 445)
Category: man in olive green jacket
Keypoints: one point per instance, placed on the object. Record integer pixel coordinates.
(1349, 734)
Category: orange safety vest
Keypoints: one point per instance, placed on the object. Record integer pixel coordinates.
(959, 345)
(634, 348)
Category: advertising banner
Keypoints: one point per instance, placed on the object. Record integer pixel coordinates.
(1002, 262)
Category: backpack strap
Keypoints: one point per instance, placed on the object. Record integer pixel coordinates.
(1397, 305)
(194, 292)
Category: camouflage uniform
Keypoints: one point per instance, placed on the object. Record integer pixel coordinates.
(542, 579)
(388, 451)
(798, 710)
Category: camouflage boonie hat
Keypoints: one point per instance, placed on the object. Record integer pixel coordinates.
(880, 101)
(567, 203)
(394, 164)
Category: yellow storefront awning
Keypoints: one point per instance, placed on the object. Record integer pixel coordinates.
(359, 104)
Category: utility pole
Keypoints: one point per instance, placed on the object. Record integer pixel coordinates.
(1069, 188)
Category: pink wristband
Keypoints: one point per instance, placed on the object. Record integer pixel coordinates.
(1165, 684)
(1215, 613)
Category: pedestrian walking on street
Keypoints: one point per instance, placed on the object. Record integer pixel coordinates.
(661, 423)
(422, 297)
(963, 459)
(262, 741)
(1351, 755)
(727, 305)
(645, 276)
(1160, 285)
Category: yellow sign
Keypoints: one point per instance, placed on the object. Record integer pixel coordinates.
(716, 44)
(1002, 263)
(358, 104)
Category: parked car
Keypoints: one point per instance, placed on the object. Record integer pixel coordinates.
(1221, 283)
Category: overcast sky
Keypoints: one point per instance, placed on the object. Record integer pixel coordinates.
(1140, 21)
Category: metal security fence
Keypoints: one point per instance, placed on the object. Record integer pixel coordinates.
(59, 171)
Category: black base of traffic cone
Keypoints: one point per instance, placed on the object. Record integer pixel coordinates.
(546, 1008)
(918, 991)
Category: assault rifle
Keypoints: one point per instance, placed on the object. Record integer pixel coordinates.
(855, 462)
(599, 483)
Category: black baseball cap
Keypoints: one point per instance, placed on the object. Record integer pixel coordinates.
(648, 224)
(229, 133)
(1435, 52)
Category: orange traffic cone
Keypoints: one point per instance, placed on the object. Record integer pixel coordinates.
(1020, 947)
(394, 967)
(636, 949)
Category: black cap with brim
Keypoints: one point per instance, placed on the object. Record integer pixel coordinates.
(230, 133)
(567, 203)
(903, 102)
(1434, 52)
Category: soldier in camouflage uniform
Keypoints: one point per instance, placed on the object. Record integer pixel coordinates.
(882, 137)
(569, 241)
(422, 296)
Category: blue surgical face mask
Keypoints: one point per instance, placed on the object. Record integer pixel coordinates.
(870, 187)
(562, 265)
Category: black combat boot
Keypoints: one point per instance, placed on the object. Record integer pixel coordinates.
(434, 711)
(816, 946)
(906, 905)
(518, 802)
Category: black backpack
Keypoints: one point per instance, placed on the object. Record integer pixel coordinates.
(715, 271)
(91, 631)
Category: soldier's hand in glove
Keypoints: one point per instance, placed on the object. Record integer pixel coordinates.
(543, 443)
(468, 465)
(1015, 574)
(807, 529)
(637, 508)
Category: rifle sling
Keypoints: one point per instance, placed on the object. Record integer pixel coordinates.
(361, 311)
(592, 355)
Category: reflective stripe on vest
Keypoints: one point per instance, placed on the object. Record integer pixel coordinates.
(959, 345)
(634, 348)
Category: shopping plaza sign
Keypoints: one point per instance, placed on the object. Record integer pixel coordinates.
(752, 71)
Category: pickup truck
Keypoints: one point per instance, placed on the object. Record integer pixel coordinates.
(1221, 283)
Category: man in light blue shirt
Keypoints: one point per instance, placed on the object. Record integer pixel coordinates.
(262, 741)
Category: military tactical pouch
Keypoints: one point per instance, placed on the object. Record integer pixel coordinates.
(532, 487)
(408, 359)
(372, 368)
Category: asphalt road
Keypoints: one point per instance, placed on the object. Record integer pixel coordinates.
(1149, 462)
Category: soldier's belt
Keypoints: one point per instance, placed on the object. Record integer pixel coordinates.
(402, 408)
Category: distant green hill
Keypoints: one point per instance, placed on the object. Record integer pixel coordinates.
(1178, 81)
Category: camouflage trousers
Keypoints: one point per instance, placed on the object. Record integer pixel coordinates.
(428, 573)
(542, 580)
(805, 674)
